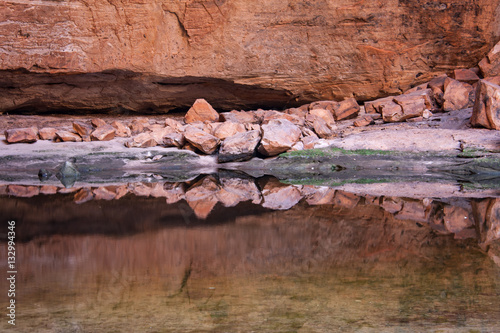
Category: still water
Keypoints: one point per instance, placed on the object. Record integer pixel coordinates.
(243, 255)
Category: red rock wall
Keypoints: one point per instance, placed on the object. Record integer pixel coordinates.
(303, 50)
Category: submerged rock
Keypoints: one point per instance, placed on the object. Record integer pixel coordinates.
(68, 174)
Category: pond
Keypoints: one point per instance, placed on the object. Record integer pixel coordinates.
(231, 253)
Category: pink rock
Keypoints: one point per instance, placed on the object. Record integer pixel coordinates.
(227, 129)
(347, 109)
(490, 65)
(22, 191)
(83, 195)
(82, 129)
(47, 133)
(201, 111)
(96, 122)
(103, 133)
(279, 196)
(486, 110)
(143, 140)
(239, 147)
(457, 95)
(278, 136)
(203, 141)
(121, 129)
(67, 136)
(21, 135)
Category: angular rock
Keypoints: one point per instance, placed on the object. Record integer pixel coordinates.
(391, 112)
(47, 133)
(413, 210)
(236, 190)
(310, 141)
(138, 125)
(299, 112)
(411, 106)
(392, 205)
(121, 129)
(377, 105)
(278, 136)
(203, 141)
(326, 115)
(274, 115)
(96, 122)
(493, 79)
(240, 117)
(278, 196)
(174, 124)
(487, 218)
(347, 109)
(417, 88)
(327, 105)
(486, 110)
(82, 129)
(22, 191)
(174, 139)
(190, 147)
(465, 75)
(321, 196)
(364, 121)
(201, 111)
(159, 134)
(490, 65)
(143, 140)
(345, 199)
(299, 145)
(239, 147)
(320, 126)
(21, 135)
(457, 95)
(227, 129)
(103, 133)
(67, 136)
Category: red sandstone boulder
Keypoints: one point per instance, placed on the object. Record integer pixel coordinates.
(278, 136)
(227, 129)
(201, 111)
(465, 75)
(159, 133)
(327, 105)
(490, 65)
(121, 129)
(138, 125)
(103, 133)
(205, 142)
(364, 121)
(47, 133)
(174, 139)
(486, 111)
(143, 140)
(67, 136)
(21, 135)
(83, 129)
(239, 147)
(346, 109)
(96, 122)
(457, 95)
(240, 117)
(273, 115)
(320, 126)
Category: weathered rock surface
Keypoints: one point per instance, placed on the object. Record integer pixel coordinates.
(486, 111)
(457, 95)
(103, 133)
(143, 140)
(21, 135)
(346, 109)
(205, 142)
(67, 136)
(239, 147)
(490, 65)
(278, 136)
(47, 133)
(89, 55)
(121, 129)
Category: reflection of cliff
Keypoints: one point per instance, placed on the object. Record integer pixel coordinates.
(134, 207)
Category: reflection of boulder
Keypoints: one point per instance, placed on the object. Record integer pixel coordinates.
(487, 216)
(236, 190)
(202, 196)
(279, 196)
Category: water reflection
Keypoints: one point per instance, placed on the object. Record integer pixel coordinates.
(229, 254)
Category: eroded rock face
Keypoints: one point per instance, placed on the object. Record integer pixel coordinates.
(154, 56)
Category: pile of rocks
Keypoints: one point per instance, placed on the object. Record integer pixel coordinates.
(240, 135)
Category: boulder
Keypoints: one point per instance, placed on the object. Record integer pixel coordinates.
(174, 139)
(465, 75)
(174, 124)
(411, 106)
(239, 147)
(103, 133)
(67, 136)
(21, 135)
(143, 140)
(240, 117)
(364, 121)
(138, 125)
(377, 105)
(457, 95)
(310, 141)
(490, 64)
(121, 129)
(205, 142)
(47, 133)
(457, 218)
(326, 115)
(391, 111)
(278, 136)
(227, 129)
(96, 122)
(201, 111)
(159, 134)
(82, 129)
(273, 115)
(486, 110)
(320, 126)
(327, 105)
(83, 195)
(346, 109)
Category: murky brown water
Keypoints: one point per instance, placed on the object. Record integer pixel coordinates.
(276, 258)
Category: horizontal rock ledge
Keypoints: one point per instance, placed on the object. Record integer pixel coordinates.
(119, 91)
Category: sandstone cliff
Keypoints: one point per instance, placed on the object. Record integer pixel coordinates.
(154, 56)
